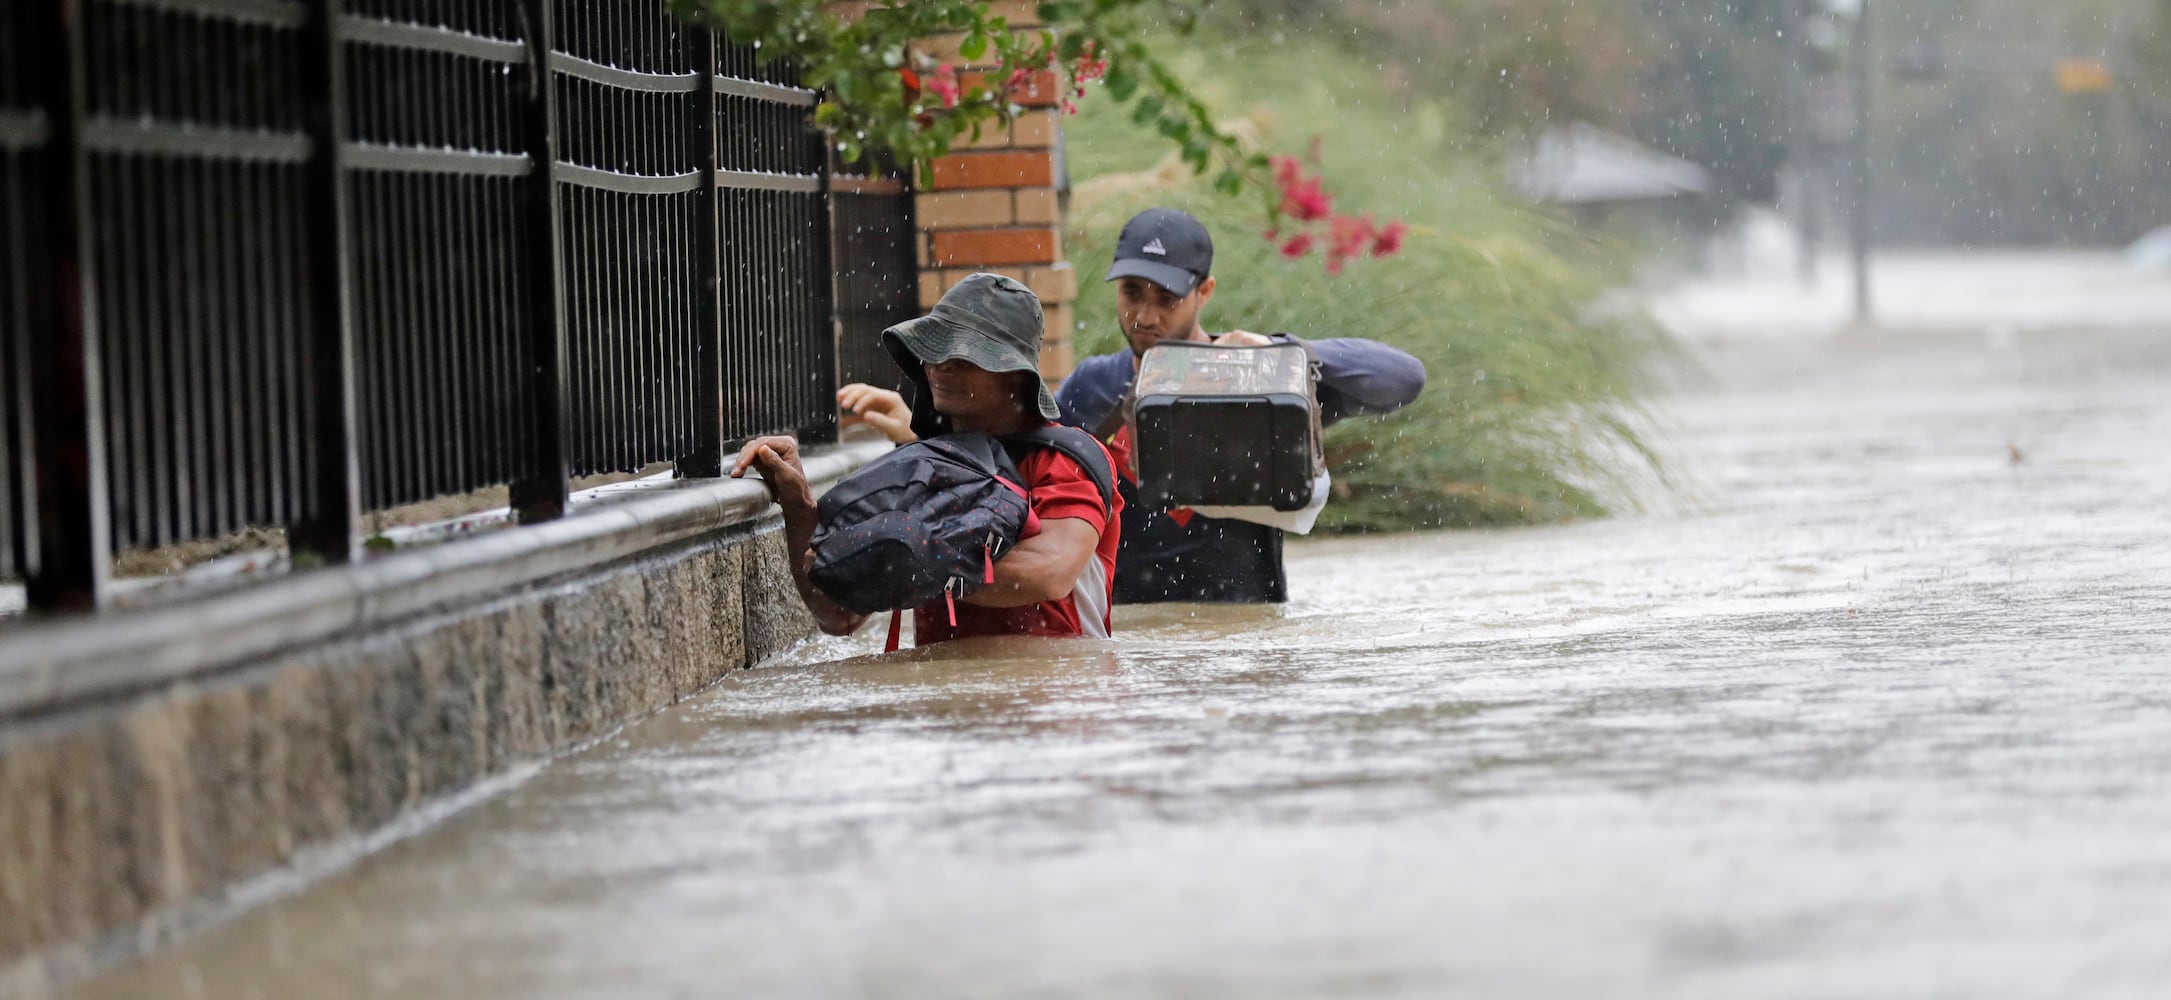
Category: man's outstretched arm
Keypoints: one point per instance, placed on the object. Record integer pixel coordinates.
(777, 459)
(1363, 377)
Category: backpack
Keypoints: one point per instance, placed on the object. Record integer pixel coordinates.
(929, 519)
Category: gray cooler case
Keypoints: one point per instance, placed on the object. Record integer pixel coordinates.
(1227, 426)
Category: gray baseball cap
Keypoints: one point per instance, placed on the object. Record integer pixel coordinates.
(1165, 246)
(991, 322)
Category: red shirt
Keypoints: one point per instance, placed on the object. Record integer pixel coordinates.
(1056, 487)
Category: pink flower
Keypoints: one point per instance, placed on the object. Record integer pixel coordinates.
(1089, 68)
(1350, 236)
(1311, 200)
(1298, 246)
(1301, 196)
(1389, 240)
(1307, 201)
(944, 85)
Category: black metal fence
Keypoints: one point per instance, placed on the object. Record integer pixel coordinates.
(271, 262)
(877, 271)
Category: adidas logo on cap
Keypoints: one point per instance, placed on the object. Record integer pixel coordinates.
(1154, 248)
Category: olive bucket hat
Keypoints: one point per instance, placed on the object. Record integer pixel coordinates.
(987, 320)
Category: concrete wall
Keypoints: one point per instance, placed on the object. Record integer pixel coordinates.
(137, 803)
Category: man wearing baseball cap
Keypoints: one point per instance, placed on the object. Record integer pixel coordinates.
(974, 363)
(1163, 271)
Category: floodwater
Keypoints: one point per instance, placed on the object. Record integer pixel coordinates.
(1882, 710)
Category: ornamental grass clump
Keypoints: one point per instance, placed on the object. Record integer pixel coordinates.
(1532, 409)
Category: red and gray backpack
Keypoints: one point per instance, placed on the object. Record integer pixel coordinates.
(929, 519)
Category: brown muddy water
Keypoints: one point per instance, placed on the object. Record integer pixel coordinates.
(1884, 710)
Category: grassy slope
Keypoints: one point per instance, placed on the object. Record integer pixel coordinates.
(1525, 393)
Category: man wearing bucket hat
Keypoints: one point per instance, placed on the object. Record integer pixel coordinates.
(974, 365)
(1163, 271)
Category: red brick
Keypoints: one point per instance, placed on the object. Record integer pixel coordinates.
(993, 135)
(1059, 318)
(1056, 359)
(952, 277)
(997, 246)
(966, 209)
(944, 49)
(1037, 207)
(993, 170)
(1034, 130)
(1053, 284)
(1018, 13)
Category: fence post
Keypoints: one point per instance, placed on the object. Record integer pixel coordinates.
(539, 491)
(823, 236)
(69, 541)
(706, 460)
(330, 499)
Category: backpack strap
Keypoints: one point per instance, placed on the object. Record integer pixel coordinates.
(1080, 447)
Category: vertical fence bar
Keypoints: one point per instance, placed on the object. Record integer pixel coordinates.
(819, 224)
(706, 456)
(323, 529)
(538, 490)
(69, 545)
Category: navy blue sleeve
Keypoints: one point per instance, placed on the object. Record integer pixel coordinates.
(1360, 377)
(1093, 387)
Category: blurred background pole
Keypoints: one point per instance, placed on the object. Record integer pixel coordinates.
(1801, 138)
(1862, 309)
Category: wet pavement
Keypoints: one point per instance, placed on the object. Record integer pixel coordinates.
(1880, 709)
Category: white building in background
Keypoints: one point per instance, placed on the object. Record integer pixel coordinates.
(1582, 164)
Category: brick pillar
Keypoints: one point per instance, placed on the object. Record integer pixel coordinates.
(993, 207)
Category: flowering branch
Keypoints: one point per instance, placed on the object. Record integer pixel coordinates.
(1305, 202)
(879, 93)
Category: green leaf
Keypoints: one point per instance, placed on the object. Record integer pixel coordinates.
(1229, 182)
(1147, 109)
(1121, 83)
(1073, 46)
(1198, 154)
(1057, 11)
(974, 47)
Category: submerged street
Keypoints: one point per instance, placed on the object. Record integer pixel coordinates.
(1876, 707)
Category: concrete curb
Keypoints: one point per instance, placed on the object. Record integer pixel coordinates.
(48, 665)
